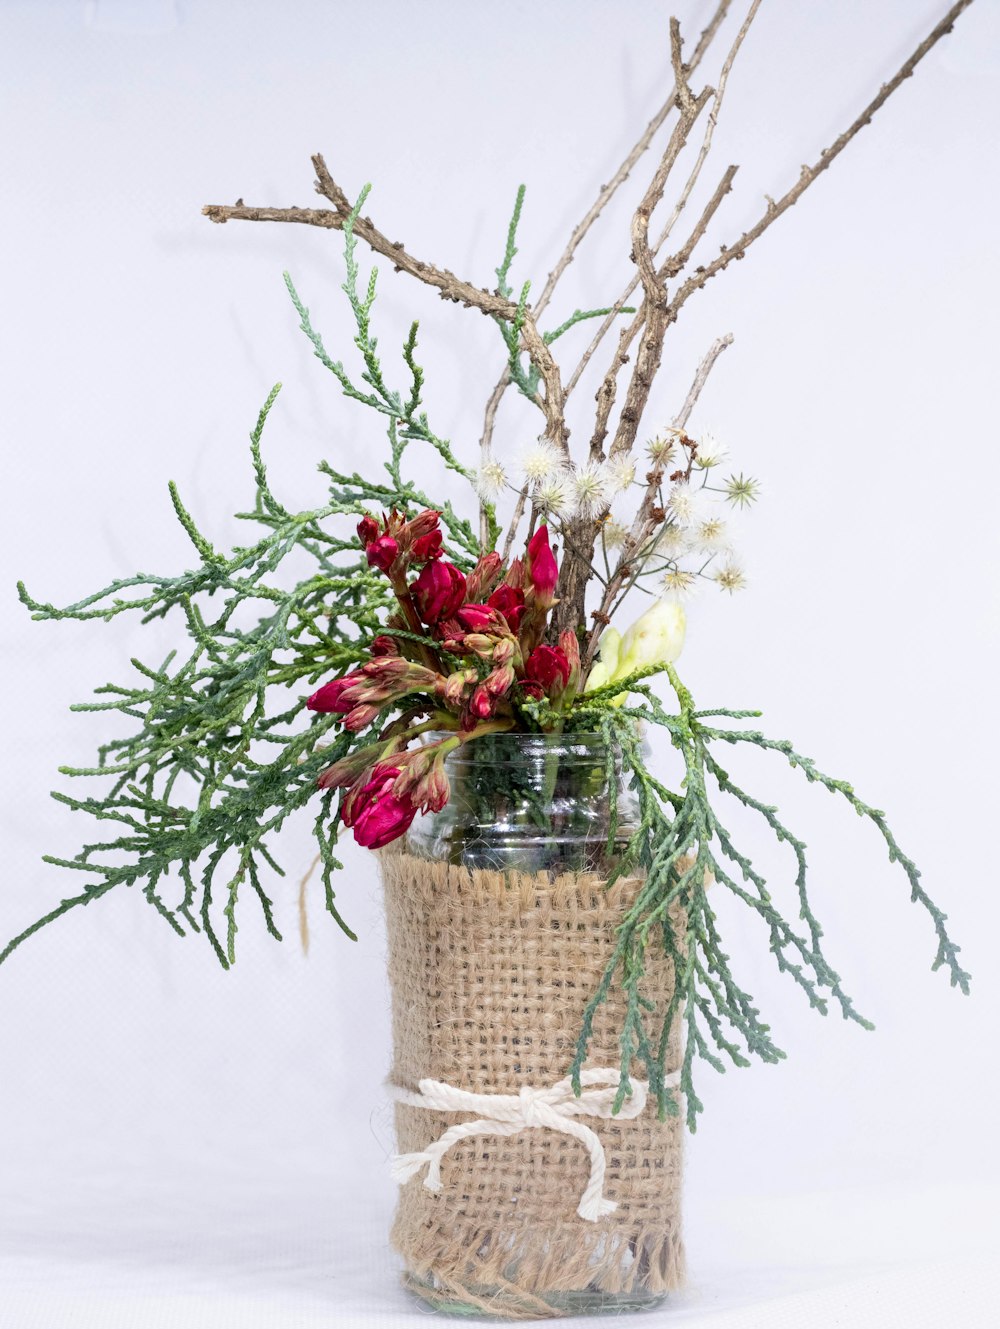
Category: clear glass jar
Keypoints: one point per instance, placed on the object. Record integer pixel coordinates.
(533, 804)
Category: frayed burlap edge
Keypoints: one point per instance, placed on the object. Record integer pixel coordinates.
(490, 973)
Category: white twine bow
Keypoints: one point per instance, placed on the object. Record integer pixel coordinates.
(508, 1114)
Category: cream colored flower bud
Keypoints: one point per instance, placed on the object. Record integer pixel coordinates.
(607, 660)
(655, 638)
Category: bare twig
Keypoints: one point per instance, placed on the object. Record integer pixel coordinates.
(515, 521)
(450, 287)
(625, 169)
(239, 211)
(583, 226)
(704, 369)
(607, 392)
(485, 448)
(809, 173)
(573, 580)
(680, 259)
(581, 532)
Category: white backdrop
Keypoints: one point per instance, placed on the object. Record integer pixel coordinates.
(184, 1147)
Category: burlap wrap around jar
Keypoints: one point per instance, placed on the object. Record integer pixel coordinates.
(491, 970)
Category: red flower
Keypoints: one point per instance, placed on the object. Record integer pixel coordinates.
(422, 524)
(382, 553)
(438, 591)
(543, 572)
(427, 547)
(548, 666)
(510, 602)
(368, 530)
(483, 576)
(374, 813)
(481, 705)
(476, 618)
(328, 698)
(570, 647)
(383, 645)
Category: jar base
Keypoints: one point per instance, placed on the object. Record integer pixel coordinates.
(482, 1300)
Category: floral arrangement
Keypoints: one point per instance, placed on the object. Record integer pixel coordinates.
(333, 663)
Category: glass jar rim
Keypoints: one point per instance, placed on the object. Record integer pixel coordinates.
(508, 744)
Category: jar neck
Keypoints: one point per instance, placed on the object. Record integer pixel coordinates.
(531, 802)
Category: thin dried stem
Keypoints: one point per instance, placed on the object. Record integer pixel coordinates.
(677, 263)
(700, 378)
(582, 227)
(446, 282)
(826, 158)
(581, 532)
(515, 522)
(627, 166)
(609, 387)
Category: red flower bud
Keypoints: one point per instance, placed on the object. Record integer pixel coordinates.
(481, 704)
(382, 553)
(455, 686)
(483, 576)
(548, 666)
(422, 524)
(477, 643)
(515, 574)
(374, 812)
(361, 715)
(432, 792)
(368, 530)
(569, 644)
(427, 547)
(383, 645)
(510, 602)
(503, 651)
(423, 779)
(346, 771)
(438, 591)
(328, 699)
(499, 681)
(477, 618)
(543, 571)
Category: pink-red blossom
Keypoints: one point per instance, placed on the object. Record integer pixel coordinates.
(438, 591)
(483, 576)
(374, 812)
(543, 572)
(383, 645)
(382, 553)
(368, 530)
(509, 601)
(481, 703)
(427, 547)
(548, 666)
(329, 698)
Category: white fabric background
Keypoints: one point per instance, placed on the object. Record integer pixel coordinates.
(184, 1147)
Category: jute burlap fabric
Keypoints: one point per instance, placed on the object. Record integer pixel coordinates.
(490, 973)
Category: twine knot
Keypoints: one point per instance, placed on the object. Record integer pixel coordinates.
(530, 1106)
(551, 1109)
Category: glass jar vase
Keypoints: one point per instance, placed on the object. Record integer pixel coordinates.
(501, 926)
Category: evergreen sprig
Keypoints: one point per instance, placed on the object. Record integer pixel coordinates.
(684, 854)
(218, 755)
(215, 764)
